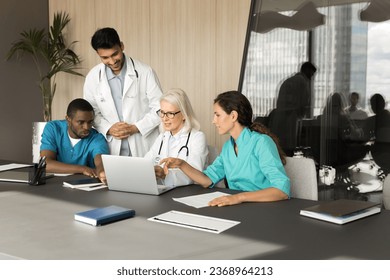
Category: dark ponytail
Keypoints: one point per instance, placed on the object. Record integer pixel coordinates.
(260, 128)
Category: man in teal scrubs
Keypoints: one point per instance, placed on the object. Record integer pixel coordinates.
(72, 145)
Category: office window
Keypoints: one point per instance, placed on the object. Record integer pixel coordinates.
(345, 44)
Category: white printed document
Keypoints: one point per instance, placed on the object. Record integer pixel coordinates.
(200, 200)
(193, 221)
(11, 166)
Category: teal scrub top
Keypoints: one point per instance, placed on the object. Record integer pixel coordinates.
(55, 138)
(256, 167)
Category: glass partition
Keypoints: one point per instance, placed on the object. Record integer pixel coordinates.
(315, 73)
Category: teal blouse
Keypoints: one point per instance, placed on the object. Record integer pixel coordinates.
(256, 167)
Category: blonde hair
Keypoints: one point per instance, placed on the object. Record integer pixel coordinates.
(179, 98)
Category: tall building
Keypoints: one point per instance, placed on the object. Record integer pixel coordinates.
(340, 54)
(338, 49)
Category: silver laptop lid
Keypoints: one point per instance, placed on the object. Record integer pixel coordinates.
(130, 174)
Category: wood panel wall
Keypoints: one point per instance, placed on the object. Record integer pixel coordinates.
(195, 45)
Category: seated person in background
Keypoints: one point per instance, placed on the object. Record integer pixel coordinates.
(181, 138)
(72, 145)
(251, 161)
(355, 112)
(380, 125)
(359, 118)
(340, 136)
(381, 119)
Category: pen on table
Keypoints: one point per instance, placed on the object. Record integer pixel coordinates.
(184, 224)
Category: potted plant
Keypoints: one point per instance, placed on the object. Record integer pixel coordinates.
(50, 55)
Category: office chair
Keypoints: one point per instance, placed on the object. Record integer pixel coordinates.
(284, 124)
(380, 150)
(262, 119)
(213, 154)
(303, 177)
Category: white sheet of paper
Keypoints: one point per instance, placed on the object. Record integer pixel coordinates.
(200, 200)
(11, 166)
(88, 189)
(193, 221)
(62, 174)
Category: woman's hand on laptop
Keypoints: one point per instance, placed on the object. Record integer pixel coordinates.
(170, 163)
(159, 171)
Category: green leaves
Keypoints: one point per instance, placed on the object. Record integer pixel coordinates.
(50, 54)
(31, 42)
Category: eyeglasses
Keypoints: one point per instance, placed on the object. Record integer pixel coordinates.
(170, 115)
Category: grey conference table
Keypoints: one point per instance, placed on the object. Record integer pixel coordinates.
(37, 223)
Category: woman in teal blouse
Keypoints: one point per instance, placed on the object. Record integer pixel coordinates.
(251, 160)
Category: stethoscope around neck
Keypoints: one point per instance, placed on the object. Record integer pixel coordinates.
(132, 62)
(185, 147)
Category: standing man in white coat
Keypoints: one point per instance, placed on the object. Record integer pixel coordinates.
(125, 94)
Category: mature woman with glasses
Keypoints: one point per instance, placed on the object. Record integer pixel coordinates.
(251, 161)
(181, 138)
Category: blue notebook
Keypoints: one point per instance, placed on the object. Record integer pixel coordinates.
(101, 216)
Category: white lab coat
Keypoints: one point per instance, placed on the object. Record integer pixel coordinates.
(141, 100)
(197, 154)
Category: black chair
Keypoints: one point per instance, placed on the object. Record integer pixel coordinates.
(284, 124)
(380, 150)
(262, 119)
(309, 137)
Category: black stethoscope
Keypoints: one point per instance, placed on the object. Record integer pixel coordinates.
(136, 75)
(181, 149)
(135, 70)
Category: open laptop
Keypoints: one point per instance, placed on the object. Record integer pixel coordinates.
(132, 174)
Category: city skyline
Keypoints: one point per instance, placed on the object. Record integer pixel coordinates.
(350, 55)
(378, 59)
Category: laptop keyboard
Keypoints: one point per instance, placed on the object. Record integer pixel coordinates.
(161, 187)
